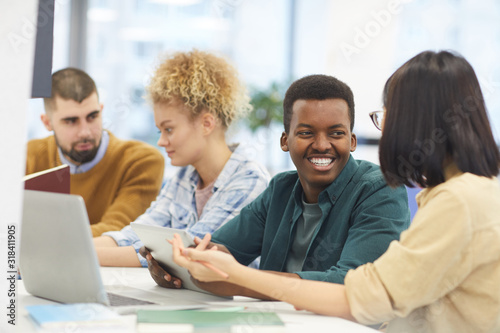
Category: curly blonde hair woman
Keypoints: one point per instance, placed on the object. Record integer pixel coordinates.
(202, 81)
(195, 95)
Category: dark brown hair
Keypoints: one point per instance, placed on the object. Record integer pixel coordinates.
(318, 87)
(435, 112)
(70, 84)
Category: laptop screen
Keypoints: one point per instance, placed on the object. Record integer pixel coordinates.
(57, 258)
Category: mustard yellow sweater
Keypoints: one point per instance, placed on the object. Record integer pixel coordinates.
(116, 190)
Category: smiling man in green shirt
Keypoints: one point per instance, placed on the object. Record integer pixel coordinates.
(331, 215)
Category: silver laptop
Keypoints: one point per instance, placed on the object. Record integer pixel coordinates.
(58, 261)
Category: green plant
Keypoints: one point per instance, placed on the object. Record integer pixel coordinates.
(267, 106)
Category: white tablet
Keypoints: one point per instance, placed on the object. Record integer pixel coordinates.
(155, 239)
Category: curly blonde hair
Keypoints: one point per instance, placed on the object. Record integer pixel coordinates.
(202, 81)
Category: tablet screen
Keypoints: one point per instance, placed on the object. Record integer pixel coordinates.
(155, 239)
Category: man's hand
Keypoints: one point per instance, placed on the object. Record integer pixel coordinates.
(159, 275)
(224, 288)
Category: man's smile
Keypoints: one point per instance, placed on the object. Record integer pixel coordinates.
(323, 163)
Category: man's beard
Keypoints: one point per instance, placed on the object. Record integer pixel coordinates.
(80, 156)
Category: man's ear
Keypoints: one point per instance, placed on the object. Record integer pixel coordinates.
(208, 122)
(284, 142)
(354, 142)
(46, 121)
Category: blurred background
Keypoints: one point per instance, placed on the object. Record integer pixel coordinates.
(272, 43)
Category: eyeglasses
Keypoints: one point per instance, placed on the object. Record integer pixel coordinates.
(377, 118)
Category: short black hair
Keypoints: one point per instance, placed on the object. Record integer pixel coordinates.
(318, 87)
(435, 114)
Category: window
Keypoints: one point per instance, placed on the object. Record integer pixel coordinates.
(360, 42)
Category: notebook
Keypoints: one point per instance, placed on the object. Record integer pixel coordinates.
(56, 179)
(212, 321)
(57, 259)
(202, 318)
(77, 317)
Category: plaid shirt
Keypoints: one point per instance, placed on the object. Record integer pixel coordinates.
(238, 184)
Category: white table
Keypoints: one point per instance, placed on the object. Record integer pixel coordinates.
(295, 321)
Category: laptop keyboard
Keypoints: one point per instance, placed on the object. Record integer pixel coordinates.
(118, 300)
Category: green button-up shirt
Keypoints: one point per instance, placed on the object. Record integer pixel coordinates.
(361, 215)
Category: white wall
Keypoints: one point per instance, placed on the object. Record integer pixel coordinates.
(17, 41)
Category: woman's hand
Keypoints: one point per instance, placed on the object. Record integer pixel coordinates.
(207, 266)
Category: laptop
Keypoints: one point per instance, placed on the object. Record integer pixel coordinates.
(57, 259)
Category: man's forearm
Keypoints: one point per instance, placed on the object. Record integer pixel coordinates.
(316, 296)
(229, 289)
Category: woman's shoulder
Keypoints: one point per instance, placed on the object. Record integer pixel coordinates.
(469, 186)
(475, 195)
(242, 162)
